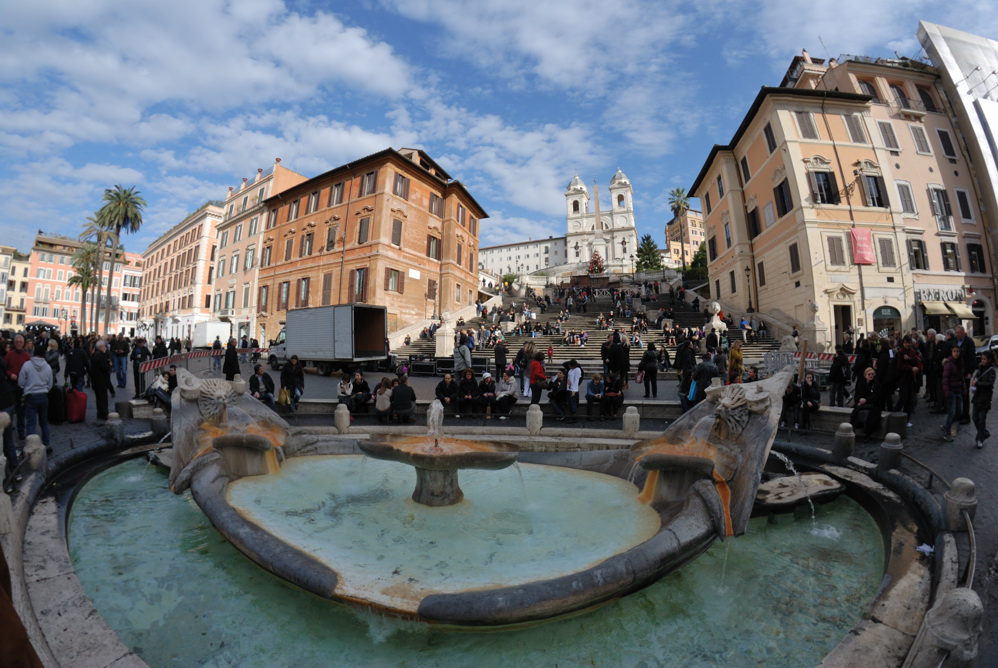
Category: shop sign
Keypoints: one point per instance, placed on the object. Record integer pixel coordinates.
(940, 295)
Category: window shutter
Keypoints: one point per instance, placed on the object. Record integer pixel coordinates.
(351, 297)
(297, 293)
(387, 277)
(401, 282)
(887, 133)
(882, 187)
(833, 189)
(816, 197)
(327, 288)
(428, 237)
(363, 286)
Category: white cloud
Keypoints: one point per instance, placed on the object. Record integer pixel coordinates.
(503, 229)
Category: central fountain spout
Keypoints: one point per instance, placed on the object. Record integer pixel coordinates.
(437, 463)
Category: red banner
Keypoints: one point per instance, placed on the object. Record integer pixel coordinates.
(862, 246)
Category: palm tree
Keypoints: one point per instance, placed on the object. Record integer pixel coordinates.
(95, 232)
(84, 263)
(679, 201)
(121, 212)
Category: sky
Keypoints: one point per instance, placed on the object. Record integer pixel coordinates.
(186, 98)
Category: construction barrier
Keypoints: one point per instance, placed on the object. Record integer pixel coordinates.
(199, 363)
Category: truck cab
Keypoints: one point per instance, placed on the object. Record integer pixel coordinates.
(279, 351)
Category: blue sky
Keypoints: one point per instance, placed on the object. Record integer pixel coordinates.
(184, 99)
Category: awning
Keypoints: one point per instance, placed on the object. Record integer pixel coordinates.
(960, 310)
(935, 308)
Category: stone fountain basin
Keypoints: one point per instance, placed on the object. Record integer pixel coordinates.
(448, 454)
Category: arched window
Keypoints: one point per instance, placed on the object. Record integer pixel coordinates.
(886, 319)
(620, 200)
(575, 206)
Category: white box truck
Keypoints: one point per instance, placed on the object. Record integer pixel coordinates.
(334, 338)
(204, 333)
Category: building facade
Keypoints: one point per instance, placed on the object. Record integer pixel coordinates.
(683, 237)
(614, 237)
(17, 291)
(391, 229)
(240, 237)
(834, 207)
(524, 257)
(6, 258)
(178, 275)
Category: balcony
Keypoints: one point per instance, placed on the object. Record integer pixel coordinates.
(905, 108)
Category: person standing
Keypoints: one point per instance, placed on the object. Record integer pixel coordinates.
(159, 351)
(293, 380)
(649, 366)
(140, 355)
(35, 380)
(120, 350)
(216, 360)
(909, 364)
(231, 366)
(100, 377)
(838, 378)
(982, 387)
(952, 390)
(574, 380)
(704, 372)
(537, 377)
(15, 359)
(500, 353)
(967, 353)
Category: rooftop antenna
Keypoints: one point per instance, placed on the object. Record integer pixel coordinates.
(828, 56)
(293, 163)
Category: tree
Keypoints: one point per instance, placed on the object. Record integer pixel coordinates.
(679, 201)
(85, 262)
(698, 267)
(596, 264)
(649, 259)
(96, 234)
(121, 212)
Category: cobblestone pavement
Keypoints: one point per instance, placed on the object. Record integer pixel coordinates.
(949, 460)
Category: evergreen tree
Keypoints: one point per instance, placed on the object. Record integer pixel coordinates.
(649, 259)
(596, 264)
(698, 267)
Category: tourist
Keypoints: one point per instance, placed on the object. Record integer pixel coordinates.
(537, 377)
(982, 387)
(216, 360)
(140, 355)
(500, 352)
(735, 364)
(7, 406)
(119, 352)
(869, 403)
(230, 367)
(909, 372)
(703, 374)
(613, 396)
(14, 361)
(360, 394)
(521, 364)
(791, 404)
(952, 390)
(558, 394)
(467, 393)
(649, 367)
(447, 393)
(383, 400)
(506, 392)
(487, 394)
(35, 380)
(620, 359)
(403, 401)
(967, 354)
(810, 397)
(261, 386)
(52, 356)
(100, 378)
(753, 375)
(574, 375)
(344, 389)
(838, 378)
(594, 393)
(77, 366)
(293, 380)
(462, 354)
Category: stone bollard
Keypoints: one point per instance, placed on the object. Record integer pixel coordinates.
(950, 630)
(35, 453)
(844, 443)
(124, 409)
(114, 430)
(631, 422)
(341, 418)
(890, 454)
(896, 422)
(159, 423)
(960, 496)
(238, 384)
(535, 419)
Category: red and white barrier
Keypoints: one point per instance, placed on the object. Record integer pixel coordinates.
(194, 354)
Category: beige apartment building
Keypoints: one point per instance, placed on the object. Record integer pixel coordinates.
(6, 258)
(17, 291)
(844, 201)
(240, 236)
(178, 273)
(683, 237)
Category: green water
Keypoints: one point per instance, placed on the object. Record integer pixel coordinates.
(179, 595)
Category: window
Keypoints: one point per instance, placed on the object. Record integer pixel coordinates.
(223, 244)
(250, 258)
(238, 234)
(235, 262)
(394, 281)
(254, 223)
(823, 188)
(336, 195)
(770, 137)
(358, 285)
(288, 246)
(867, 88)
(906, 197)
(887, 259)
(259, 195)
(221, 267)
(927, 101)
(431, 289)
(768, 215)
(720, 188)
(246, 295)
(917, 257)
(331, 238)
(265, 256)
(963, 201)
(794, 258)
(460, 215)
(271, 218)
(706, 202)
(941, 209)
(293, 210)
(752, 223)
(727, 236)
(401, 188)
(951, 256)
(283, 296)
(947, 143)
(746, 175)
(873, 191)
(457, 293)
(761, 274)
(975, 255)
(805, 122)
(717, 289)
(305, 245)
(854, 123)
(731, 280)
(313, 202)
(301, 292)
(363, 230)
(899, 96)
(473, 226)
(921, 141)
(436, 205)
(784, 203)
(887, 134)
(836, 251)
(369, 184)
(327, 289)
(712, 249)
(432, 247)
(459, 249)
(397, 232)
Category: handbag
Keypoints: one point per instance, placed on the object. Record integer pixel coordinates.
(640, 378)
(283, 397)
(693, 391)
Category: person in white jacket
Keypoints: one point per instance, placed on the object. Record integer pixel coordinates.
(35, 381)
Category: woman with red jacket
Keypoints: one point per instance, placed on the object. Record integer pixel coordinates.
(537, 378)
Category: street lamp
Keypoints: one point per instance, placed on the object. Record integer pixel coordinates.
(748, 286)
(633, 268)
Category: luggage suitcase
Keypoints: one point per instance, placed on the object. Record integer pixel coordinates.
(57, 404)
(76, 406)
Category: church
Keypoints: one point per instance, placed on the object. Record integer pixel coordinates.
(615, 238)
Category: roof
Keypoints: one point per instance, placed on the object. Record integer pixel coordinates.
(764, 92)
(522, 243)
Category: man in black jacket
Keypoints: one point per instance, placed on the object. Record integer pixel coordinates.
(140, 354)
(100, 377)
(500, 354)
(403, 401)
(838, 378)
(120, 350)
(261, 386)
(968, 353)
(446, 392)
(231, 365)
(77, 365)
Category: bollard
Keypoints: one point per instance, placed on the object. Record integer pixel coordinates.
(960, 496)
(159, 422)
(890, 454)
(35, 453)
(238, 384)
(123, 408)
(535, 419)
(114, 430)
(896, 422)
(844, 442)
(631, 422)
(341, 418)
(950, 630)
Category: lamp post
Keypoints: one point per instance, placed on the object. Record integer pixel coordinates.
(748, 286)
(633, 268)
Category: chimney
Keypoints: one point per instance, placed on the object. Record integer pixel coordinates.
(278, 161)
(806, 56)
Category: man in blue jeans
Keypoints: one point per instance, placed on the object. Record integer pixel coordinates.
(36, 380)
(952, 391)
